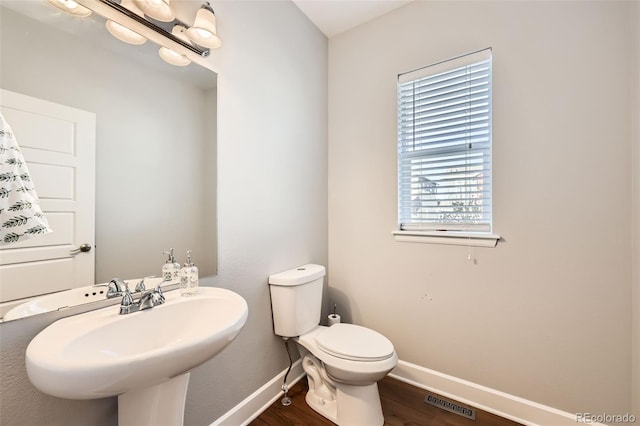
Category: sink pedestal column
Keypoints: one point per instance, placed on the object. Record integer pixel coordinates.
(161, 404)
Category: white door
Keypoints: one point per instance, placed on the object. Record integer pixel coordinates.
(58, 144)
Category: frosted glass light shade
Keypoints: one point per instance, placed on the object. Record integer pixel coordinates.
(174, 58)
(123, 33)
(171, 56)
(203, 31)
(71, 7)
(157, 9)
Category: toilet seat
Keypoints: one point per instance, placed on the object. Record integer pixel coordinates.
(355, 343)
(353, 372)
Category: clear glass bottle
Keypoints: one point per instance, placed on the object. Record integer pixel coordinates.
(189, 280)
(171, 269)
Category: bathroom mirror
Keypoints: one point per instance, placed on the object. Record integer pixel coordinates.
(155, 168)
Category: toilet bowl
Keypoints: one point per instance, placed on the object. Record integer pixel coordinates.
(352, 354)
(343, 362)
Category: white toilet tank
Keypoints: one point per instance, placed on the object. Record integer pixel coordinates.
(296, 299)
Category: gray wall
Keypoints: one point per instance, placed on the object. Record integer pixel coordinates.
(546, 315)
(635, 255)
(272, 182)
(272, 210)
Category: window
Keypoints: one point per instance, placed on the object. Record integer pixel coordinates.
(444, 148)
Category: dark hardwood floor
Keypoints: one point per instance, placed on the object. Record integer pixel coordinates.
(402, 405)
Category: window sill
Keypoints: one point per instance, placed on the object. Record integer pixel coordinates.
(457, 238)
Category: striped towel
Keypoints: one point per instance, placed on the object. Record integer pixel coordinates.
(20, 214)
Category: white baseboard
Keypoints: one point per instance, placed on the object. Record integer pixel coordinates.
(253, 405)
(493, 401)
(511, 407)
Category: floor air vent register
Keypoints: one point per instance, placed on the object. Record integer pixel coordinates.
(451, 406)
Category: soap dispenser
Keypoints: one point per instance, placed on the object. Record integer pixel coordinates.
(189, 277)
(171, 269)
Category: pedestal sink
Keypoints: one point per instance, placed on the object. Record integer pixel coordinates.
(144, 357)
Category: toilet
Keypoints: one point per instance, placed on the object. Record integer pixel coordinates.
(343, 362)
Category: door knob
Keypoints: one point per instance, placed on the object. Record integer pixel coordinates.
(84, 248)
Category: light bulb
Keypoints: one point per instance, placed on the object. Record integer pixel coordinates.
(203, 31)
(123, 33)
(171, 56)
(71, 7)
(157, 9)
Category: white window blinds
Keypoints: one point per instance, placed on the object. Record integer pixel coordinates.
(444, 145)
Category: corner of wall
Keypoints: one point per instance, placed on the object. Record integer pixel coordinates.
(635, 209)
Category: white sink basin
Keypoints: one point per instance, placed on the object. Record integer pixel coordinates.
(102, 353)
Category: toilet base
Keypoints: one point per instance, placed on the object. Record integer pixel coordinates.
(345, 405)
(359, 405)
(324, 407)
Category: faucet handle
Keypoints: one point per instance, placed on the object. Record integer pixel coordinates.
(159, 295)
(117, 284)
(141, 286)
(151, 298)
(115, 287)
(127, 301)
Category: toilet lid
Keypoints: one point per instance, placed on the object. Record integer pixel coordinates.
(353, 342)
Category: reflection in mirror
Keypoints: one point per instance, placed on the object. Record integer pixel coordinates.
(97, 295)
(155, 129)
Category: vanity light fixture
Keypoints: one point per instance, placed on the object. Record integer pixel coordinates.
(157, 9)
(203, 31)
(71, 7)
(171, 56)
(159, 17)
(123, 33)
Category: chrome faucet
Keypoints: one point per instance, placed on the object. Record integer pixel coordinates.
(148, 299)
(141, 287)
(115, 288)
